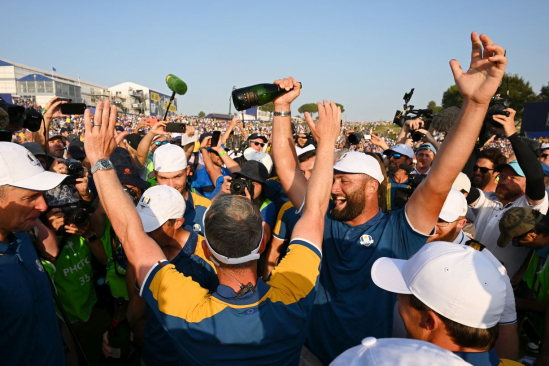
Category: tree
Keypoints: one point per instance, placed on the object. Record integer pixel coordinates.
(341, 106)
(452, 97)
(269, 107)
(544, 92)
(309, 107)
(433, 106)
(201, 114)
(520, 92)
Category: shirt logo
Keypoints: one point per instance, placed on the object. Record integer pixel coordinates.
(197, 228)
(366, 240)
(39, 265)
(145, 202)
(33, 159)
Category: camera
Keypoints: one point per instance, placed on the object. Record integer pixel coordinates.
(74, 213)
(402, 195)
(131, 193)
(20, 117)
(409, 113)
(497, 106)
(75, 171)
(238, 185)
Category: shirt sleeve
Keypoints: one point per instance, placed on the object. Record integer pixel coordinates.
(269, 214)
(297, 274)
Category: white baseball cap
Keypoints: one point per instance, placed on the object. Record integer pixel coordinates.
(159, 204)
(359, 163)
(261, 156)
(454, 206)
(169, 158)
(401, 149)
(397, 351)
(20, 168)
(302, 150)
(545, 146)
(456, 281)
(462, 183)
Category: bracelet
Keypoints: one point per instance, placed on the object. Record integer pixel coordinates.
(222, 153)
(283, 114)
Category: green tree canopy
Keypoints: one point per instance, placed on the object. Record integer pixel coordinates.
(201, 114)
(452, 97)
(309, 107)
(269, 107)
(544, 92)
(432, 105)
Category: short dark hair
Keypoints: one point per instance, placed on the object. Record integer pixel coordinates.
(542, 227)
(306, 156)
(462, 335)
(233, 225)
(492, 154)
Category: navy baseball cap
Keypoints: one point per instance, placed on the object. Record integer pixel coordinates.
(128, 174)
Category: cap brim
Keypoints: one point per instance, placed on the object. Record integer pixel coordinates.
(504, 240)
(150, 223)
(387, 274)
(41, 182)
(498, 168)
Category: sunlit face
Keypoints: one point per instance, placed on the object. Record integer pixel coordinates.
(510, 185)
(257, 144)
(348, 195)
(394, 164)
(307, 167)
(157, 143)
(480, 179)
(544, 158)
(20, 209)
(216, 159)
(424, 158)
(56, 148)
(176, 180)
(301, 140)
(447, 231)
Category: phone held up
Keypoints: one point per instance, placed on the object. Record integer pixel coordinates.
(73, 108)
(176, 127)
(215, 137)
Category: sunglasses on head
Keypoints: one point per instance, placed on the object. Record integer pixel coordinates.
(394, 156)
(160, 143)
(262, 144)
(482, 169)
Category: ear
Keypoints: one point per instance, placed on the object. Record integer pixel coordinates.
(206, 250)
(263, 244)
(530, 237)
(430, 321)
(179, 223)
(461, 223)
(372, 187)
(188, 170)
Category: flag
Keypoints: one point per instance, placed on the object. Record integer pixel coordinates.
(53, 68)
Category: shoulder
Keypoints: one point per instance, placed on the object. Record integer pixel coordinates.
(200, 200)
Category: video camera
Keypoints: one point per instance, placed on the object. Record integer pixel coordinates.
(239, 184)
(402, 195)
(497, 106)
(75, 213)
(75, 171)
(409, 113)
(20, 118)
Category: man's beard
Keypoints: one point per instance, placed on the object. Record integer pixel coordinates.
(483, 183)
(353, 207)
(505, 194)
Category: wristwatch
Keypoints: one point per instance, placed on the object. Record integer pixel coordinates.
(102, 164)
(93, 237)
(283, 114)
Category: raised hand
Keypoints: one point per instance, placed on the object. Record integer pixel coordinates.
(327, 129)
(53, 109)
(481, 81)
(159, 128)
(292, 87)
(99, 137)
(508, 123)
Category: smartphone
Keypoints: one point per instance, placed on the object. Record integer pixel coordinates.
(367, 137)
(176, 127)
(64, 100)
(215, 137)
(73, 108)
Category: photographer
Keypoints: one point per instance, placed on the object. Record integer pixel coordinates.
(399, 155)
(207, 182)
(520, 184)
(413, 125)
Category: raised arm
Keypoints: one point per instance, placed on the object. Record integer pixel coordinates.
(284, 155)
(53, 110)
(227, 133)
(159, 128)
(141, 250)
(477, 86)
(326, 131)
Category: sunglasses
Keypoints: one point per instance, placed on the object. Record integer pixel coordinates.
(544, 156)
(394, 156)
(160, 143)
(482, 169)
(262, 144)
(441, 223)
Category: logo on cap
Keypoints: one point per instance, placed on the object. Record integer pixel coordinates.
(127, 171)
(342, 157)
(197, 228)
(145, 202)
(366, 240)
(33, 159)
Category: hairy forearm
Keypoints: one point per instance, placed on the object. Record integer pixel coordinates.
(143, 148)
(230, 163)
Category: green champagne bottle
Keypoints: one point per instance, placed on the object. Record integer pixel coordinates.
(256, 95)
(120, 332)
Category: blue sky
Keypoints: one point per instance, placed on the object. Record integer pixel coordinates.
(363, 54)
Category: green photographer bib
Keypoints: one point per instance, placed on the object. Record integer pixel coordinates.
(116, 273)
(72, 277)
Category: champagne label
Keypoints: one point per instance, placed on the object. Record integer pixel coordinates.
(116, 352)
(250, 99)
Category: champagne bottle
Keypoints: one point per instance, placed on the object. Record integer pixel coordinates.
(256, 95)
(120, 332)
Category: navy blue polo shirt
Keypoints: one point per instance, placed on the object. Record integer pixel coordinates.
(489, 358)
(348, 305)
(276, 193)
(195, 208)
(159, 348)
(29, 332)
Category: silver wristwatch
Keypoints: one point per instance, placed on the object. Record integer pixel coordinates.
(102, 164)
(283, 114)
